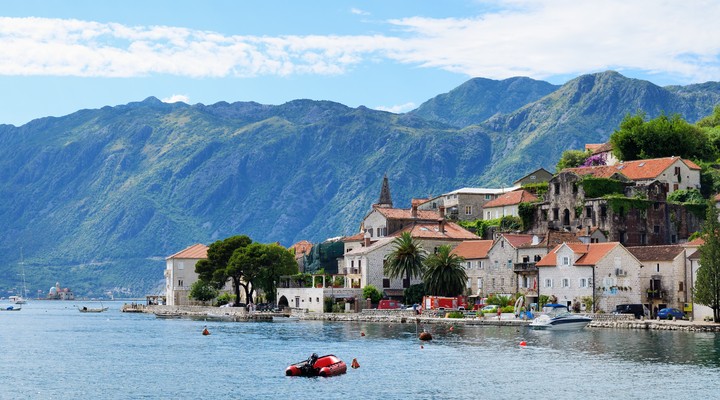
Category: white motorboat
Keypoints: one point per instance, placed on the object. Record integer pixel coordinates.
(558, 317)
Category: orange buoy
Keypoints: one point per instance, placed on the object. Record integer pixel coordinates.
(451, 328)
(425, 336)
(362, 333)
(355, 364)
(523, 343)
(206, 331)
(422, 347)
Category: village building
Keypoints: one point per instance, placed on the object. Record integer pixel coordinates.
(662, 276)
(464, 204)
(507, 204)
(603, 274)
(300, 250)
(638, 216)
(540, 175)
(602, 151)
(180, 274)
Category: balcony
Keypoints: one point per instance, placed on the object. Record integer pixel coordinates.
(656, 294)
(525, 267)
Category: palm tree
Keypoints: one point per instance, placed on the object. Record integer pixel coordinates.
(444, 274)
(406, 258)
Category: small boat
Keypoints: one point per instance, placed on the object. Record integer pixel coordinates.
(285, 318)
(10, 308)
(92, 310)
(557, 317)
(324, 366)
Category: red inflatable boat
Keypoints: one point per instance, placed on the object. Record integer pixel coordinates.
(325, 366)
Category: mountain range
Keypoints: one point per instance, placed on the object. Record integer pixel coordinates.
(97, 199)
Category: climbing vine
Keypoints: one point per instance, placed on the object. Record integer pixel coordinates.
(621, 204)
(599, 187)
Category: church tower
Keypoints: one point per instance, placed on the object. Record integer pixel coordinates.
(385, 200)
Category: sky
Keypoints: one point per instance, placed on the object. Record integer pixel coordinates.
(61, 56)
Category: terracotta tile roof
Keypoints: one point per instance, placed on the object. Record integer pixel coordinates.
(196, 251)
(452, 231)
(599, 171)
(602, 148)
(695, 242)
(401, 213)
(512, 198)
(636, 169)
(358, 237)
(472, 249)
(590, 254)
(554, 238)
(695, 255)
(656, 253)
(592, 146)
(518, 240)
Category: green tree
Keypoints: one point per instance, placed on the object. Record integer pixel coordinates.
(372, 293)
(203, 291)
(247, 263)
(278, 261)
(571, 159)
(707, 282)
(663, 136)
(444, 274)
(215, 269)
(406, 258)
(414, 293)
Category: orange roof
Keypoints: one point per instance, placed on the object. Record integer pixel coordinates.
(636, 169)
(696, 242)
(196, 251)
(511, 198)
(472, 249)
(355, 238)
(592, 146)
(590, 254)
(401, 213)
(452, 231)
(518, 240)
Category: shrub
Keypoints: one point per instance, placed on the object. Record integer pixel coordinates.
(372, 293)
(455, 314)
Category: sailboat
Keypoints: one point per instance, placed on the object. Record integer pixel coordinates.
(22, 298)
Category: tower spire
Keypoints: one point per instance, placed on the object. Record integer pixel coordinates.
(385, 200)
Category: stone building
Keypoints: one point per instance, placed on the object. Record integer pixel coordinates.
(639, 215)
(662, 276)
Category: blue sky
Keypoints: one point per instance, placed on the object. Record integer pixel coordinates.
(60, 56)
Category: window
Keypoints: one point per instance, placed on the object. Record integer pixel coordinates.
(378, 232)
(677, 170)
(656, 229)
(643, 238)
(680, 287)
(493, 282)
(488, 215)
(656, 205)
(583, 283)
(566, 283)
(497, 266)
(468, 210)
(310, 299)
(566, 260)
(317, 299)
(673, 239)
(603, 210)
(509, 264)
(479, 282)
(502, 282)
(352, 264)
(556, 214)
(548, 283)
(657, 267)
(588, 212)
(468, 265)
(469, 283)
(359, 264)
(557, 188)
(406, 283)
(502, 244)
(481, 264)
(180, 283)
(386, 282)
(488, 197)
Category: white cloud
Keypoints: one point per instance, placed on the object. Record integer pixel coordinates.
(177, 98)
(397, 109)
(358, 11)
(521, 37)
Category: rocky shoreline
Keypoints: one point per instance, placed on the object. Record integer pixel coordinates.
(600, 321)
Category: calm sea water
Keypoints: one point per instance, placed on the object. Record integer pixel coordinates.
(51, 351)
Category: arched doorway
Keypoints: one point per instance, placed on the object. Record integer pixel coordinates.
(283, 302)
(566, 217)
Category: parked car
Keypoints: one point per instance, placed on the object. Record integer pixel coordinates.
(489, 309)
(639, 310)
(667, 313)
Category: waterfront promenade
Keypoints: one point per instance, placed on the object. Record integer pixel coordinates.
(607, 321)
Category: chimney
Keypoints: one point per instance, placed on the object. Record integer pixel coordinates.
(413, 211)
(442, 226)
(366, 242)
(442, 211)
